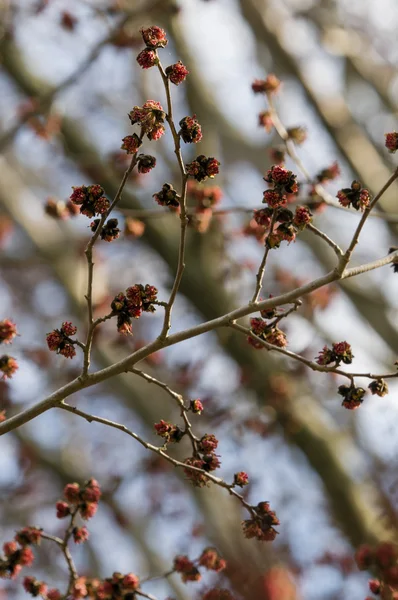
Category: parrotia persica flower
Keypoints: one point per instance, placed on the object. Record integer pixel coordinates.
(265, 120)
(270, 85)
(154, 37)
(261, 526)
(329, 173)
(352, 396)
(59, 340)
(378, 387)
(202, 167)
(145, 163)
(211, 560)
(91, 200)
(167, 196)
(138, 298)
(268, 333)
(131, 143)
(8, 366)
(147, 58)
(392, 141)
(340, 352)
(177, 73)
(8, 331)
(186, 568)
(151, 117)
(241, 479)
(355, 196)
(191, 131)
(110, 230)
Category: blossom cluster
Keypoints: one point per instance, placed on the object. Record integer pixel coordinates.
(204, 458)
(206, 198)
(203, 168)
(17, 553)
(8, 364)
(355, 196)
(109, 232)
(79, 499)
(382, 560)
(168, 431)
(150, 116)
(261, 525)
(269, 332)
(59, 340)
(340, 352)
(91, 199)
(188, 569)
(132, 304)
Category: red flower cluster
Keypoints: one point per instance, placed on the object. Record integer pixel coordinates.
(378, 387)
(110, 230)
(211, 560)
(167, 196)
(196, 406)
(82, 499)
(207, 462)
(268, 332)
(270, 85)
(151, 117)
(131, 143)
(241, 479)
(17, 553)
(8, 331)
(352, 396)
(329, 173)
(117, 587)
(35, 587)
(132, 304)
(283, 182)
(8, 366)
(202, 167)
(80, 534)
(177, 73)
(392, 141)
(91, 200)
(261, 525)
(168, 431)
(340, 352)
(355, 196)
(191, 131)
(187, 569)
(382, 560)
(154, 37)
(147, 58)
(59, 340)
(146, 163)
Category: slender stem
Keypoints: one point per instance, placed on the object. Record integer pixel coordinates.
(153, 213)
(261, 270)
(63, 544)
(180, 401)
(347, 256)
(125, 365)
(309, 363)
(336, 249)
(183, 206)
(90, 266)
(160, 451)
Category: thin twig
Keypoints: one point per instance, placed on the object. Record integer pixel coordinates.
(261, 270)
(180, 401)
(309, 363)
(125, 364)
(336, 249)
(90, 266)
(183, 206)
(160, 451)
(347, 256)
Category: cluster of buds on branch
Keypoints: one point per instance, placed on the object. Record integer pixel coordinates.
(8, 364)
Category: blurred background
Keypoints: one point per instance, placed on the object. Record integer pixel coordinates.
(329, 473)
